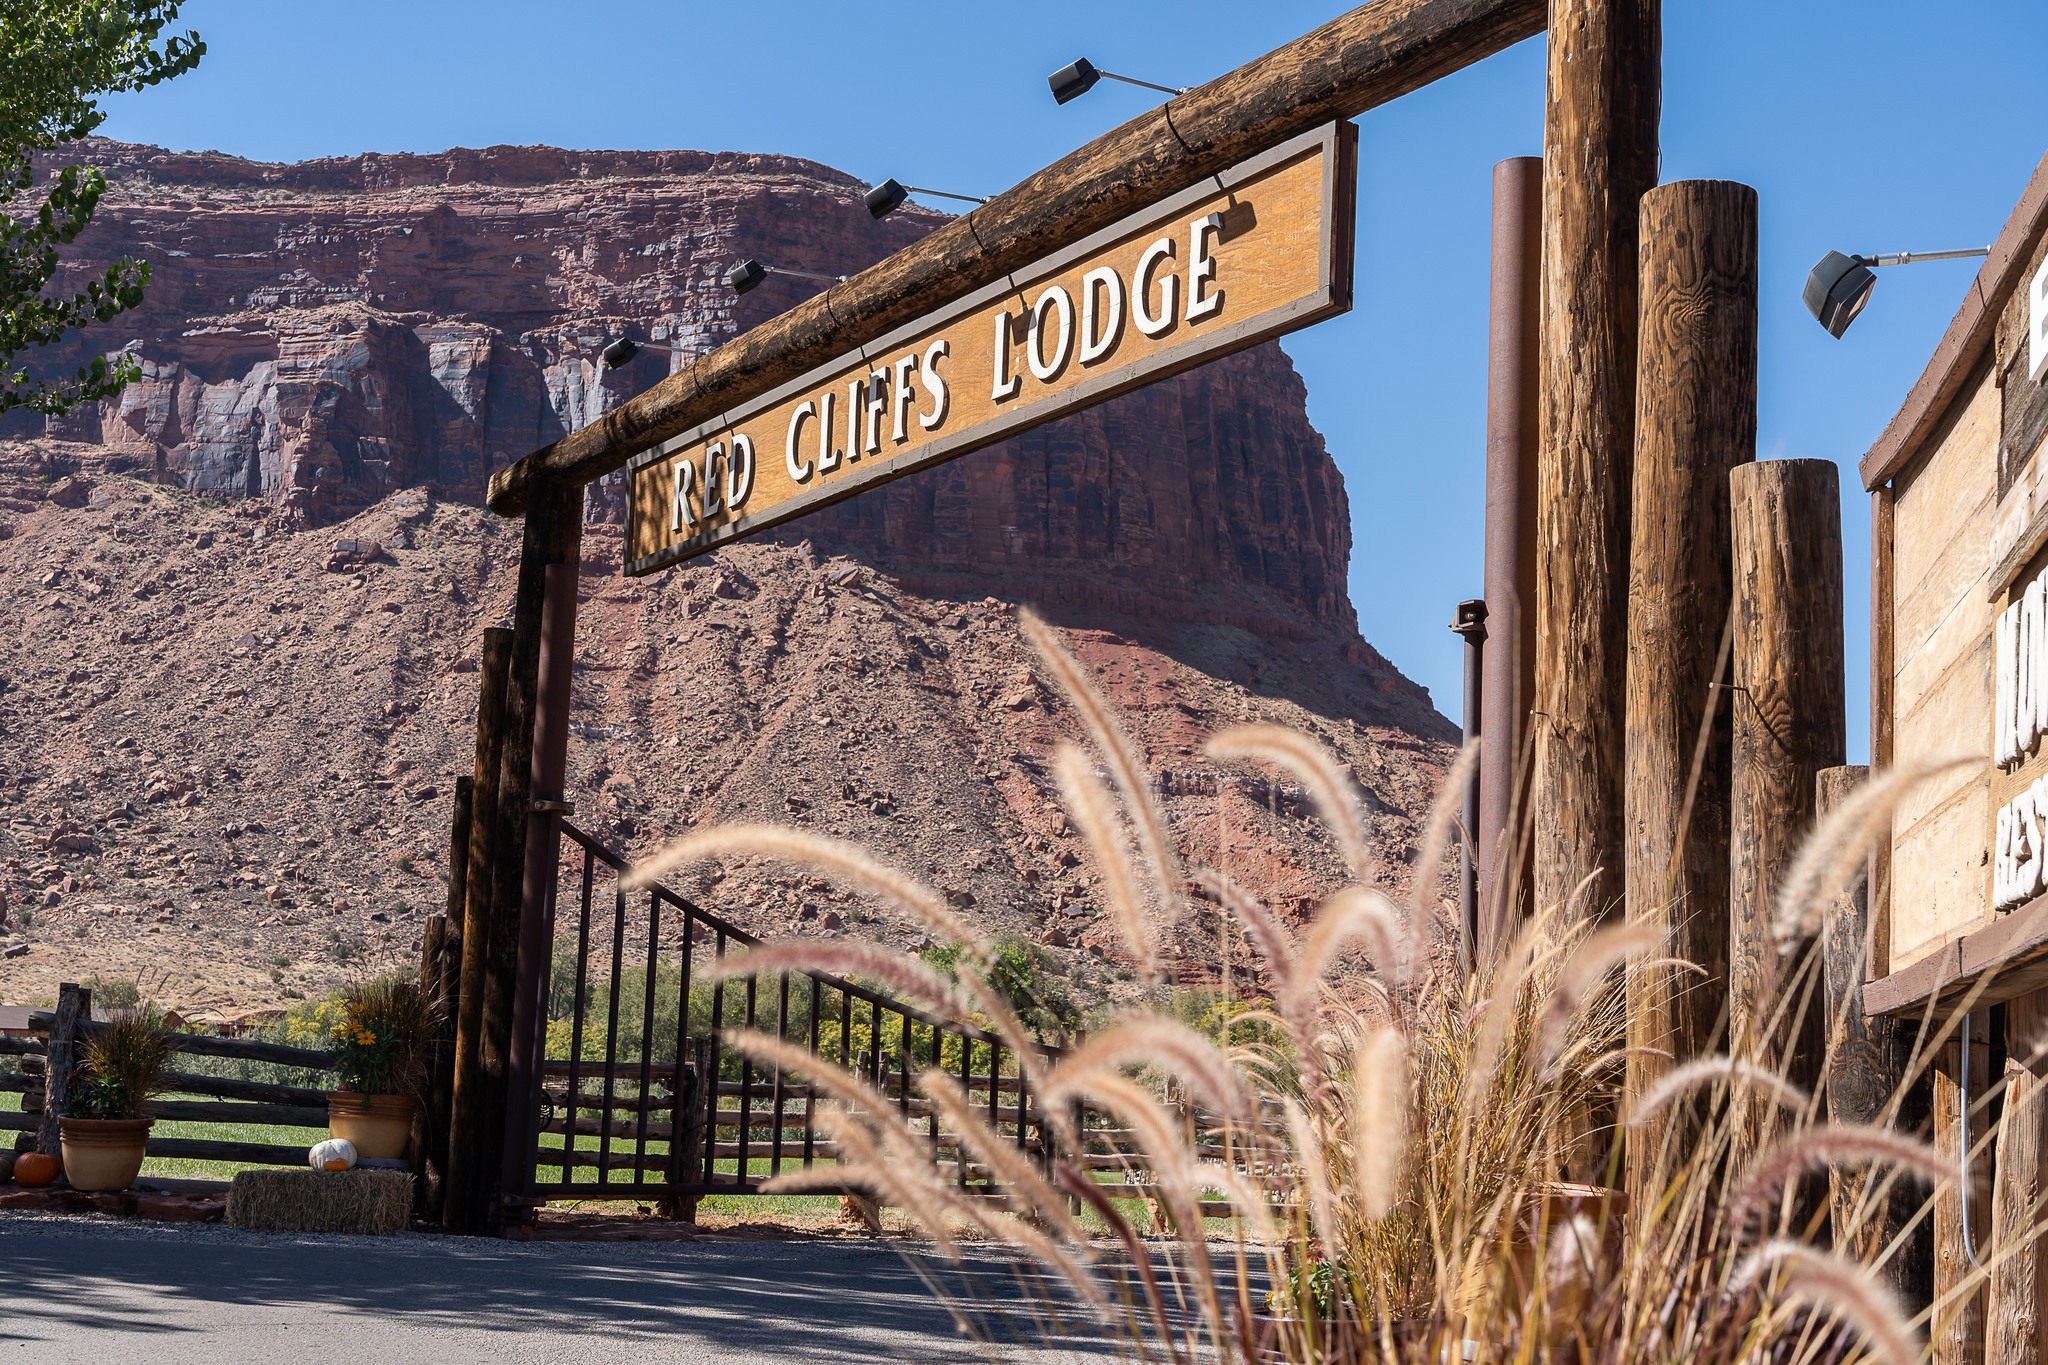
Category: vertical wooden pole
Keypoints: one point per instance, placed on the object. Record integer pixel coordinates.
(1957, 1337)
(537, 892)
(1599, 156)
(1867, 1060)
(1788, 711)
(1881, 674)
(1695, 422)
(2019, 1283)
(1511, 437)
(74, 1004)
(553, 536)
(440, 978)
(465, 1204)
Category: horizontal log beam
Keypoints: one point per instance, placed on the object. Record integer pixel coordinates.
(1363, 59)
(233, 1088)
(215, 1111)
(246, 1153)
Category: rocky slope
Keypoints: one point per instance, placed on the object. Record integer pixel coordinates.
(225, 754)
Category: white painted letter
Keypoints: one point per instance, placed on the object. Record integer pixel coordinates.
(1158, 324)
(1101, 329)
(712, 455)
(799, 469)
(739, 478)
(679, 501)
(1006, 384)
(1202, 266)
(936, 382)
(899, 426)
(872, 408)
(1053, 300)
(828, 458)
(2004, 744)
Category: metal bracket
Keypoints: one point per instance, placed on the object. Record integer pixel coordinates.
(554, 807)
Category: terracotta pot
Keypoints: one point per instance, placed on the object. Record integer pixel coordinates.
(103, 1154)
(378, 1125)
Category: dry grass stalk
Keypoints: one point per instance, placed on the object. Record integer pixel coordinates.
(846, 957)
(1418, 1145)
(1329, 782)
(1126, 765)
(842, 862)
(1089, 807)
(1436, 836)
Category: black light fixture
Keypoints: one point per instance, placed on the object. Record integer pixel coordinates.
(887, 197)
(1072, 82)
(747, 274)
(621, 351)
(1838, 288)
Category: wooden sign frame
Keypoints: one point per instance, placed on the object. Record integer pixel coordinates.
(650, 492)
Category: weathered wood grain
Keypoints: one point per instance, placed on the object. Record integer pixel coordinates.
(2018, 1305)
(553, 535)
(1360, 60)
(1599, 156)
(1957, 1333)
(463, 1201)
(1788, 710)
(74, 1005)
(1695, 420)
(1882, 700)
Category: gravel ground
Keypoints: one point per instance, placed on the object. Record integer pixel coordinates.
(99, 1289)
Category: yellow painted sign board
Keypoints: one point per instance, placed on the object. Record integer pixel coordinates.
(1262, 249)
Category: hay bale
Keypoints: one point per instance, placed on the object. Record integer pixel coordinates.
(358, 1201)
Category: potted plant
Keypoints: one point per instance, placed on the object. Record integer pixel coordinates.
(380, 1048)
(105, 1136)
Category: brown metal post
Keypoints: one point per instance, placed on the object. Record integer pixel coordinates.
(1788, 683)
(1509, 672)
(1470, 626)
(1599, 157)
(553, 537)
(464, 1205)
(537, 895)
(1696, 369)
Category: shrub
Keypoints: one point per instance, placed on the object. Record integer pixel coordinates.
(383, 1039)
(121, 1065)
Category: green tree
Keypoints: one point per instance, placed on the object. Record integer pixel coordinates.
(57, 57)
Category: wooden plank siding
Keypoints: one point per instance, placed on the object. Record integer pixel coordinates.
(1942, 620)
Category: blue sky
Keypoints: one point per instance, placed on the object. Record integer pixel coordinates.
(1865, 125)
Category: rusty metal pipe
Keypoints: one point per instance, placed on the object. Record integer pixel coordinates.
(1509, 680)
(1470, 626)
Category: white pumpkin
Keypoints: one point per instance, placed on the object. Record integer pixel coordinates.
(335, 1154)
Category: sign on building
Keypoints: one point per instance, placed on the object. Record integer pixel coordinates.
(1255, 252)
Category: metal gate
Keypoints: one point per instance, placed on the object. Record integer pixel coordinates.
(638, 1099)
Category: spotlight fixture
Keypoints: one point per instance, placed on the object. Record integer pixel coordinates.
(747, 274)
(887, 197)
(1072, 82)
(1838, 288)
(621, 350)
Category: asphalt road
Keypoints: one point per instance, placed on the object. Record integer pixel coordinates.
(101, 1290)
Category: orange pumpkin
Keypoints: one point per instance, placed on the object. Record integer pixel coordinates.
(32, 1170)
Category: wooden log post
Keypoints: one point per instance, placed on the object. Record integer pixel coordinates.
(553, 536)
(1957, 1332)
(465, 1205)
(2018, 1311)
(74, 1008)
(1695, 421)
(440, 978)
(1599, 157)
(1788, 710)
(1867, 1062)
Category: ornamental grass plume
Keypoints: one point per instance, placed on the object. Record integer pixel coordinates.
(1420, 1163)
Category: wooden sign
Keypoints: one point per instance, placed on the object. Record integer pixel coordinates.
(1259, 250)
